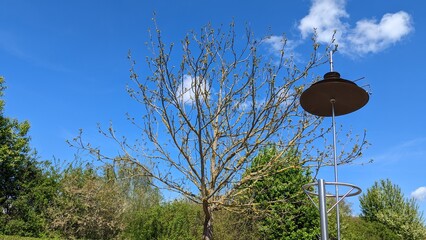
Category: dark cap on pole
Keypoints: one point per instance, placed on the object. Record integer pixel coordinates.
(348, 97)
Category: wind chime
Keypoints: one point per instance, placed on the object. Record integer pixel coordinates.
(331, 97)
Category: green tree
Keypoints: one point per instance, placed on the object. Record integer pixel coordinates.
(282, 209)
(384, 203)
(25, 189)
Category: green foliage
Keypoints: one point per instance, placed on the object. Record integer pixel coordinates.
(171, 221)
(345, 217)
(281, 208)
(99, 203)
(135, 186)
(25, 189)
(384, 203)
(88, 206)
(231, 225)
(360, 229)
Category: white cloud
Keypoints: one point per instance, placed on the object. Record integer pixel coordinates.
(324, 16)
(419, 193)
(191, 86)
(370, 36)
(367, 36)
(276, 44)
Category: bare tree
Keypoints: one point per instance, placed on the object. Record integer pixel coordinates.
(209, 114)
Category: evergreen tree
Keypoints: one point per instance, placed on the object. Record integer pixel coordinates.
(283, 210)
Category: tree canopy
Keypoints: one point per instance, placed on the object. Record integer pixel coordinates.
(384, 203)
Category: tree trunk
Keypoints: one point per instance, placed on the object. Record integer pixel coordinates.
(208, 221)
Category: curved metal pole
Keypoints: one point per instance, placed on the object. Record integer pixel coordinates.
(333, 101)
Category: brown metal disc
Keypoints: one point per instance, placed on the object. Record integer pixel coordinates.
(347, 95)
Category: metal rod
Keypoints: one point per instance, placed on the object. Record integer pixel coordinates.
(323, 209)
(331, 61)
(341, 199)
(333, 101)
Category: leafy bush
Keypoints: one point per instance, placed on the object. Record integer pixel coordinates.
(170, 221)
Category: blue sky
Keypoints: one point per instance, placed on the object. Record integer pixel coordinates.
(65, 67)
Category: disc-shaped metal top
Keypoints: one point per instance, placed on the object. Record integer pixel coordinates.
(348, 97)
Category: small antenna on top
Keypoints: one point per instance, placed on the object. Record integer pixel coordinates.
(331, 61)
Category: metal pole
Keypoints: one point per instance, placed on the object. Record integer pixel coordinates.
(333, 101)
(323, 209)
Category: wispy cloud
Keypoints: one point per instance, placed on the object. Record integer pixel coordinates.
(412, 150)
(419, 193)
(10, 44)
(368, 36)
